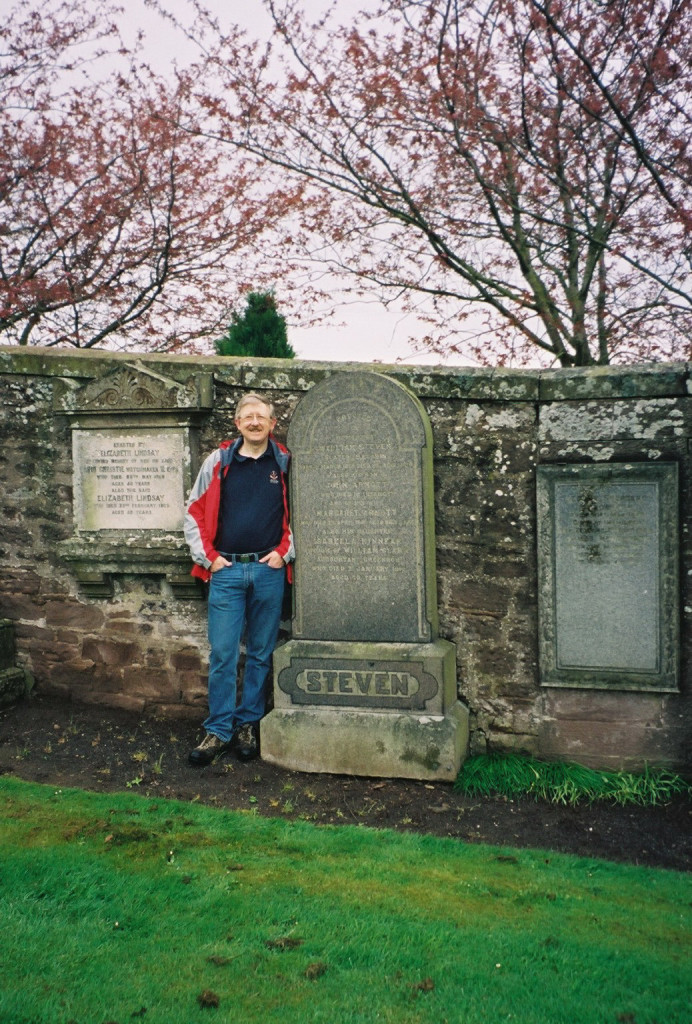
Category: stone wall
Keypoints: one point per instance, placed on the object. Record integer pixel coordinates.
(140, 642)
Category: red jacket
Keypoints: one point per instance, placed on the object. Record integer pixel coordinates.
(202, 514)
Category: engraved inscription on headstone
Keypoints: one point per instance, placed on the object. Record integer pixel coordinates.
(607, 549)
(361, 471)
(608, 571)
(128, 479)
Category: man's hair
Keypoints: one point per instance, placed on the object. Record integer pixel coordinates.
(253, 397)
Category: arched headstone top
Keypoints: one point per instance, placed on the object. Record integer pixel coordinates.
(359, 408)
(363, 512)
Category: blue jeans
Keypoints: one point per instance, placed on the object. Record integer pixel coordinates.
(245, 594)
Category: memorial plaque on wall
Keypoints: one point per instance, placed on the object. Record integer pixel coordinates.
(128, 479)
(361, 490)
(608, 575)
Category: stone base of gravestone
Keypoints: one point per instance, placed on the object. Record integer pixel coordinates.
(399, 746)
(373, 709)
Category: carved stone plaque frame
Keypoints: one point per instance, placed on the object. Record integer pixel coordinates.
(134, 436)
(608, 559)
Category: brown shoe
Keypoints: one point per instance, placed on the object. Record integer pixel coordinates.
(205, 752)
(246, 741)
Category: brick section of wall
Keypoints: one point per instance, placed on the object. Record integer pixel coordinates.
(143, 648)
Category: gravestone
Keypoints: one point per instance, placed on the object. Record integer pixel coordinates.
(608, 577)
(134, 451)
(362, 505)
(365, 686)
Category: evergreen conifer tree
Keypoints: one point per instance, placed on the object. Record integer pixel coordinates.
(260, 330)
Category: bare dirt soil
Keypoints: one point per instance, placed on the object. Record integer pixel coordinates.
(62, 744)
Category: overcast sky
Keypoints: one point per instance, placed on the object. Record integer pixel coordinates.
(370, 332)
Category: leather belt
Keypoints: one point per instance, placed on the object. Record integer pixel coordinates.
(249, 556)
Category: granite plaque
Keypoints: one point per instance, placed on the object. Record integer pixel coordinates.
(128, 479)
(361, 492)
(608, 555)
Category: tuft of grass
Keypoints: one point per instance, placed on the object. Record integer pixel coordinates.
(564, 782)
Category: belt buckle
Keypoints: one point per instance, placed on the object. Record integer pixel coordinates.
(244, 558)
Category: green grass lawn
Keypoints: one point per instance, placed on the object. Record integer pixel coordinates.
(119, 908)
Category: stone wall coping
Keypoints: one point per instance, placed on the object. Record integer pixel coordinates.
(497, 384)
(643, 381)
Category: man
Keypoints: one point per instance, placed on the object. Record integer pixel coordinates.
(240, 539)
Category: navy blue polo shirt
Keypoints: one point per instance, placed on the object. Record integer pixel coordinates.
(252, 505)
